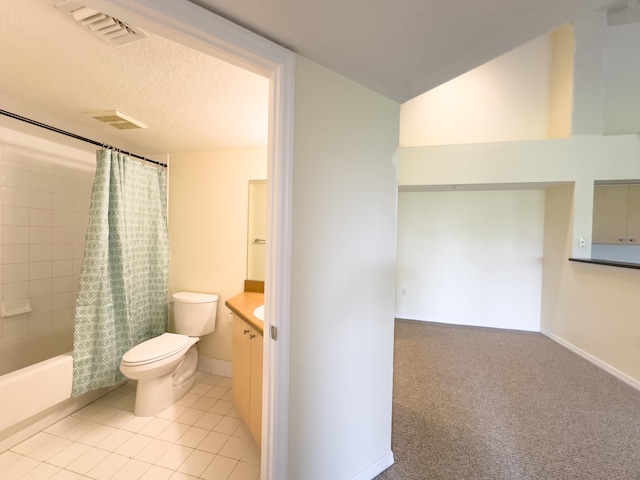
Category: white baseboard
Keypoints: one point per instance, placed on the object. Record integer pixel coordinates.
(376, 468)
(214, 366)
(596, 361)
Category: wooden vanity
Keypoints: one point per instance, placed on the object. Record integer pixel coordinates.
(246, 381)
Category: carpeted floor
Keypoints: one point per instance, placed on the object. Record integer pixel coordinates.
(480, 403)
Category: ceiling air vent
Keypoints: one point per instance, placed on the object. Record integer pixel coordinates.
(110, 29)
(117, 120)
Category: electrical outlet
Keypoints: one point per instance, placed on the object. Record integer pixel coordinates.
(404, 292)
(583, 242)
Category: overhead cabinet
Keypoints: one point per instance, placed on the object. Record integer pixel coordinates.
(616, 214)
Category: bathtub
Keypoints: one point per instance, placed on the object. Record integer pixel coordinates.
(37, 396)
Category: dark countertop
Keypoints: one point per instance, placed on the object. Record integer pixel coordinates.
(610, 263)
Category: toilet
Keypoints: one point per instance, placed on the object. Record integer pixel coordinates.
(165, 366)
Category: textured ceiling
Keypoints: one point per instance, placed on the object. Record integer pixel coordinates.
(193, 102)
(189, 100)
(403, 48)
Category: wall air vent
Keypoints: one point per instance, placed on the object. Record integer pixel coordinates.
(117, 120)
(110, 29)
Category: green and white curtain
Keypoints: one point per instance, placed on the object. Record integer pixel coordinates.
(122, 296)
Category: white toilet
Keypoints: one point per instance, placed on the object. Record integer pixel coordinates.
(165, 366)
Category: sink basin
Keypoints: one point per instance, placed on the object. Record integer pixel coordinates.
(259, 312)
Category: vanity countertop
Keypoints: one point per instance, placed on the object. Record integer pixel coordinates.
(243, 306)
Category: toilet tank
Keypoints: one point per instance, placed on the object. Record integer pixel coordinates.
(194, 314)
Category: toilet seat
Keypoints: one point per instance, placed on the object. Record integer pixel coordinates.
(155, 349)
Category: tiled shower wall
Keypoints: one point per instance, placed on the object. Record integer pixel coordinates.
(46, 189)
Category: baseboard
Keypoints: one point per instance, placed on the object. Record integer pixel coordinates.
(214, 366)
(376, 468)
(596, 361)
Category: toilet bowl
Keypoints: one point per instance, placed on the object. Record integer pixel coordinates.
(165, 366)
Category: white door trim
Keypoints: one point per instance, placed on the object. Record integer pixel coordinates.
(186, 23)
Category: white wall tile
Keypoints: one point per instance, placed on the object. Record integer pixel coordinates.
(62, 218)
(62, 284)
(62, 268)
(79, 235)
(63, 251)
(42, 182)
(15, 291)
(62, 235)
(61, 301)
(39, 323)
(81, 219)
(39, 217)
(64, 185)
(16, 177)
(40, 235)
(15, 215)
(40, 305)
(40, 288)
(41, 200)
(40, 270)
(40, 253)
(16, 328)
(15, 197)
(62, 202)
(77, 266)
(78, 250)
(43, 219)
(15, 253)
(15, 272)
(15, 235)
(81, 204)
(62, 318)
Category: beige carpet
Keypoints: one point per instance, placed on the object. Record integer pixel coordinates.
(480, 403)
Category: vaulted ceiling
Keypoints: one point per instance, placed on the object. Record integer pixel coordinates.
(403, 48)
(192, 102)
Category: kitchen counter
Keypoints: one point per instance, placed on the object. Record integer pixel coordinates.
(243, 306)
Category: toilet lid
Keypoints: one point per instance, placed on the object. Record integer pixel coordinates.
(156, 348)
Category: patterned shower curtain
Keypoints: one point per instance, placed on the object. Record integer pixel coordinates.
(122, 296)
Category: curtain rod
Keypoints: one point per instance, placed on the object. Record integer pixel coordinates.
(77, 137)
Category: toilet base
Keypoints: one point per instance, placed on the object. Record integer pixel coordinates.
(155, 395)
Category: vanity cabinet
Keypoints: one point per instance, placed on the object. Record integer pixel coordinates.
(616, 214)
(246, 378)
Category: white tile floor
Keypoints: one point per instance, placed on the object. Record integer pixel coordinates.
(200, 437)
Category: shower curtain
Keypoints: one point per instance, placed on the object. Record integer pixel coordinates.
(122, 296)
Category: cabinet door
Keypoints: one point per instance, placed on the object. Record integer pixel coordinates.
(255, 416)
(610, 214)
(633, 215)
(241, 367)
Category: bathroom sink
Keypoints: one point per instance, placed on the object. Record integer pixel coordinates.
(259, 312)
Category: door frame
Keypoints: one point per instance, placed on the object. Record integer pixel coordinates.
(195, 27)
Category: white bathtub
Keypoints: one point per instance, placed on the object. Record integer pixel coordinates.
(37, 396)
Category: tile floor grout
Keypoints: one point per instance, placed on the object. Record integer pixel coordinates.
(200, 437)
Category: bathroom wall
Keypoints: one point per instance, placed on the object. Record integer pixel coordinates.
(208, 213)
(46, 190)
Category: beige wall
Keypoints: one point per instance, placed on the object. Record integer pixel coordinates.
(592, 308)
(208, 201)
(506, 99)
